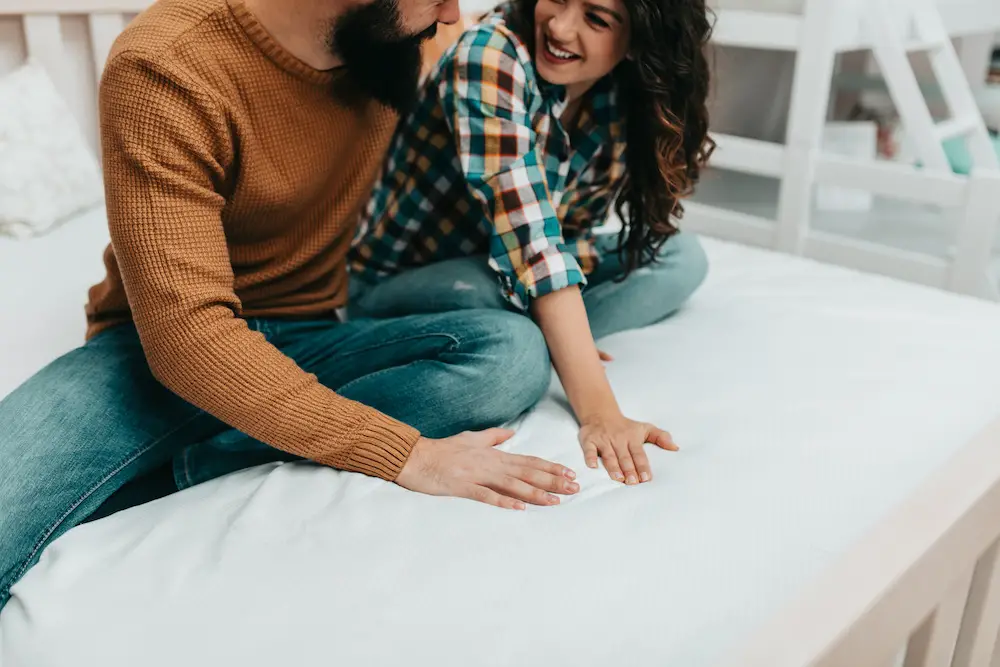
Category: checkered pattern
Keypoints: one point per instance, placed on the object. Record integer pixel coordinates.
(483, 165)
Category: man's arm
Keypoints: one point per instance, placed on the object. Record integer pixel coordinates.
(166, 156)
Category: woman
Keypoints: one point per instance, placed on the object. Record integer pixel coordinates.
(531, 127)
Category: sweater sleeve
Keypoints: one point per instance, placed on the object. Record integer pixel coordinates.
(168, 155)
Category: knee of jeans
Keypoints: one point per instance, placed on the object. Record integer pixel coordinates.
(517, 373)
(688, 255)
(467, 296)
(685, 263)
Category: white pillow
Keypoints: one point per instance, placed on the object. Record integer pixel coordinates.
(47, 171)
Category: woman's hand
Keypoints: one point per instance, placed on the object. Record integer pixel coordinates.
(619, 442)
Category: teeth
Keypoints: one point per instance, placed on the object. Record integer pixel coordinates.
(559, 53)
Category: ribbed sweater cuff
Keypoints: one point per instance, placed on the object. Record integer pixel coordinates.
(382, 447)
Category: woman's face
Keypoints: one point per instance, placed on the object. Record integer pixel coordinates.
(577, 42)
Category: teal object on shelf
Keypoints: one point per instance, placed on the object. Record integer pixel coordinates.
(958, 155)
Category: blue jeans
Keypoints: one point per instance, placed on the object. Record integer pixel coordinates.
(648, 295)
(83, 434)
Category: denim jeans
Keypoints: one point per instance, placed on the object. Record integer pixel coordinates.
(645, 297)
(96, 419)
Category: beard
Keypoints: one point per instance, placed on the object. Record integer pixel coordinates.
(381, 60)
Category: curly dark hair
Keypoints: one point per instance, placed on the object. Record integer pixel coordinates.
(664, 85)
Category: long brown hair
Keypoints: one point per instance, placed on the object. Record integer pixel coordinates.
(664, 86)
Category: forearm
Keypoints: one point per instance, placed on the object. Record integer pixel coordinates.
(218, 364)
(562, 317)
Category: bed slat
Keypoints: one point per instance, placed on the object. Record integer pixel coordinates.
(27, 7)
(933, 643)
(982, 614)
(43, 38)
(104, 29)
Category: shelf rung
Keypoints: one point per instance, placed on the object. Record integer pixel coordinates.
(957, 127)
(924, 45)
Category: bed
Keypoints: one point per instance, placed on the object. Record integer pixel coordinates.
(811, 403)
(836, 502)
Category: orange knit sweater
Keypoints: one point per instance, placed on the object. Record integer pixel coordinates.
(234, 179)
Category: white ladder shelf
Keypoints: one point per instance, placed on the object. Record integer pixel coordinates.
(892, 30)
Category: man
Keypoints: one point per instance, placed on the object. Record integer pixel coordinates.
(240, 139)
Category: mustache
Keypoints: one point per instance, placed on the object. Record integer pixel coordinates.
(381, 61)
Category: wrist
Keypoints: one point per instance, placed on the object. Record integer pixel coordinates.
(601, 415)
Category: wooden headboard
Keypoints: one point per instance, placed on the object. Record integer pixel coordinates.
(71, 39)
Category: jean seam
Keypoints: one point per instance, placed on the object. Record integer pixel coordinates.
(38, 545)
(456, 341)
(187, 469)
(378, 373)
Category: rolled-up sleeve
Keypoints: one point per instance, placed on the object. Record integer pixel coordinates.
(491, 111)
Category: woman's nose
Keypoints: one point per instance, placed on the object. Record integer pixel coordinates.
(562, 27)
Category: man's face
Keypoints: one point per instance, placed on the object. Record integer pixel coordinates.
(379, 43)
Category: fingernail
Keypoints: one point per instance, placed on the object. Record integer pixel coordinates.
(519, 506)
(572, 488)
(569, 474)
(631, 479)
(619, 477)
(553, 500)
(644, 476)
(591, 464)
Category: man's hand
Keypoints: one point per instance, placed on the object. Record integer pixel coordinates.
(619, 442)
(468, 466)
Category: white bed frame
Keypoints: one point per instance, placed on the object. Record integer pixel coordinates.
(927, 578)
(891, 30)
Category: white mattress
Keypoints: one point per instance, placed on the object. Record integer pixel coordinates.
(808, 401)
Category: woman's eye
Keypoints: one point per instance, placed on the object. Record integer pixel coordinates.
(597, 20)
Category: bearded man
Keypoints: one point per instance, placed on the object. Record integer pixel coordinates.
(240, 140)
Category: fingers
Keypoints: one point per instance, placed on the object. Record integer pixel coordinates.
(610, 458)
(641, 462)
(510, 486)
(626, 463)
(544, 480)
(661, 439)
(491, 497)
(496, 436)
(590, 453)
(518, 460)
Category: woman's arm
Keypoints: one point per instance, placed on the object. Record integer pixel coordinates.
(563, 320)
(604, 430)
(492, 112)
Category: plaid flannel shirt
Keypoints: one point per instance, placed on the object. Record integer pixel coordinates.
(484, 165)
